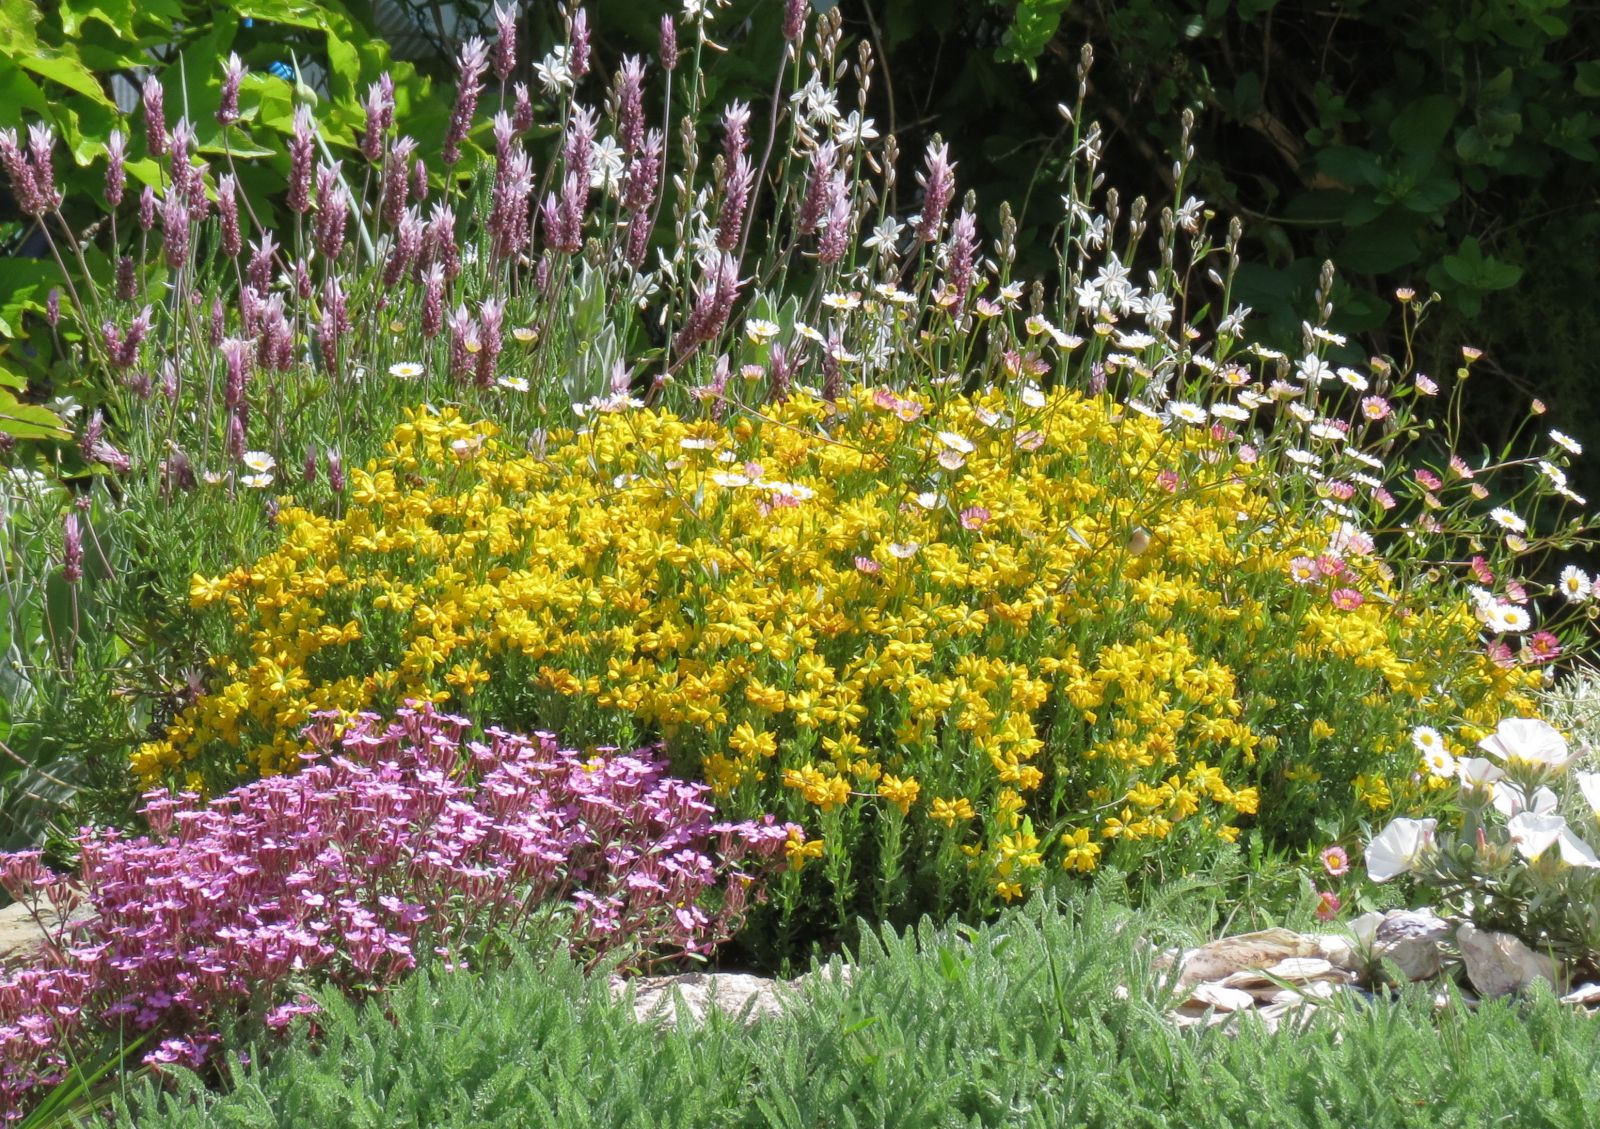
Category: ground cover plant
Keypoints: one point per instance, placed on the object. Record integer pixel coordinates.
(1044, 1018)
(672, 432)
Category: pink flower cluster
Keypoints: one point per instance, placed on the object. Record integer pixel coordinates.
(397, 841)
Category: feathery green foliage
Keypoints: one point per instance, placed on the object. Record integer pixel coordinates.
(1017, 1023)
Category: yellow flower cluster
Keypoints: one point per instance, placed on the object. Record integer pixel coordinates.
(988, 615)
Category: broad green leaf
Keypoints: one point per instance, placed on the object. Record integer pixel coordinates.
(1351, 166)
(19, 93)
(29, 421)
(68, 70)
(1382, 245)
(1421, 127)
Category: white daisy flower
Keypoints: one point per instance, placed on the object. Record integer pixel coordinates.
(1566, 442)
(1187, 412)
(406, 370)
(260, 462)
(1427, 740)
(1575, 584)
(1507, 520)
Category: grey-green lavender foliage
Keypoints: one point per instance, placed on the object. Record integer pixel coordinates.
(1017, 1023)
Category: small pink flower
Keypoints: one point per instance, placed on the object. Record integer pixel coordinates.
(1346, 599)
(1335, 861)
(1500, 654)
(1168, 481)
(1383, 498)
(1427, 478)
(1375, 408)
(1327, 905)
(1302, 570)
(1481, 571)
(1248, 454)
(868, 565)
(974, 517)
(1330, 565)
(1426, 386)
(1459, 466)
(1543, 646)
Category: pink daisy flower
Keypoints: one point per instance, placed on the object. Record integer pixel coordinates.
(1346, 599)
(1335, 861)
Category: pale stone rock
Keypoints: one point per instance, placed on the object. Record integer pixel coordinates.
(1498, 964)
(1413, 941)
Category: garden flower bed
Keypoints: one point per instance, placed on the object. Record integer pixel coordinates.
(653, 544)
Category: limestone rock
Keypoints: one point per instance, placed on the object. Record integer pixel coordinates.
(1413, 941)
(735, 994)
(1498, 964)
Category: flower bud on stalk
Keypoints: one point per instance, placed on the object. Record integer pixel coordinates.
(472, 62)
(407, 246)
(419, 180)
(938, 182)
(439, 242)
(962, 250)
(836, 235)
(180, 141)
(219, 323)
(334, 325)
(52, 307)
(277, 342)
(578, 57)
(301, 152)
(819, 185)
(20, 171)
(41, 140)
(491, 318)
(177, 473)
(735, 200)
(505, 45)
(147, 208)
(236, 363)
(335, 471)
(228, 211)
(780, 374)
(630, 104)
(333, 204)
(735, 131)
(464, 344)
(259, 272)
(127, 279)
(394, 181)
(521, 109)
(72, 548)
(155, 117)
(116, 167)
(308, 471)
(432, 300)
(95, 448)
(236, 446)
(199, 205)
(669, 43)
(794, 19)
(380, 112)
(577, 151)
(228, 104)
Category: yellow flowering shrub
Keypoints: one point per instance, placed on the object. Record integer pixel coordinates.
(969, 641)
